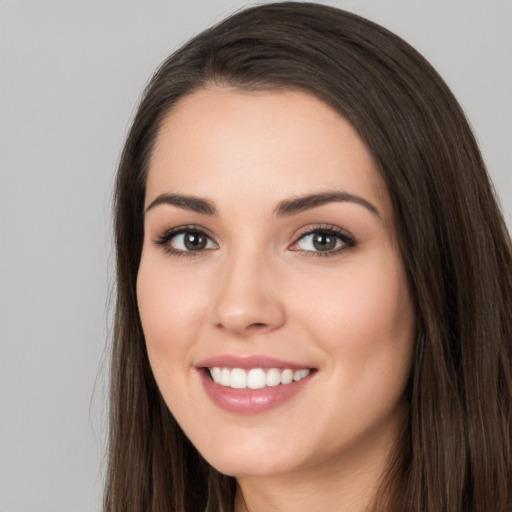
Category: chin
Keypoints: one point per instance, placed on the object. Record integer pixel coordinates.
(250, 463)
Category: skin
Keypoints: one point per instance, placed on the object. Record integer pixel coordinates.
(261, 287)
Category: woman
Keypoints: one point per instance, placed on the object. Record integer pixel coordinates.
(314, 281)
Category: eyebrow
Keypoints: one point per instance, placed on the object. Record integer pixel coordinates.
(302, 203)
(285, 208)
(192, 203)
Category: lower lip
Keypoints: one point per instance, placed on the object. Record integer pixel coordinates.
(250, 401)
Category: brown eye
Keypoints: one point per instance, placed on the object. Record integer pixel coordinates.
(194, 240)
(324, 241)
(320, 241)
(186, 240)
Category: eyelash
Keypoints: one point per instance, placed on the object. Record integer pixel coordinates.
(347, 240)
(164, 239)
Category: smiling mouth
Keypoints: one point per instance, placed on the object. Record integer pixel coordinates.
(255, 378)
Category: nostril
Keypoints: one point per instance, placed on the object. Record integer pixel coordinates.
(257, 325)
(250, 316)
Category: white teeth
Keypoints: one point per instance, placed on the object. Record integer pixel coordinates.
(286, 376)
(225, 377)
(216, 373)
(300, 374)
(238, 378)
(256, 378)
(273, 377)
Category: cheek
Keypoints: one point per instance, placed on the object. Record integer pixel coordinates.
(170, 312)
(169, 308)
(363, 318)
(365, 326)
(154, 304)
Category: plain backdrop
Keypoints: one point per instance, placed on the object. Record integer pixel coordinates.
(70, 75)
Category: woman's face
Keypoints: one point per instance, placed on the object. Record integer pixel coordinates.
(270, 254)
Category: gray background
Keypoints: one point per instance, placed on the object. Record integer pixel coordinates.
(70, 75)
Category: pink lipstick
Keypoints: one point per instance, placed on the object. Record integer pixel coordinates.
(251, 384)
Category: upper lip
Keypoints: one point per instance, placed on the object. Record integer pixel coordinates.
(247, 362)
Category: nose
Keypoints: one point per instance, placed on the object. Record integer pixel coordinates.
(247, 299)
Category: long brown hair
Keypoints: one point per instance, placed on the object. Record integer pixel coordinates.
(456, 452)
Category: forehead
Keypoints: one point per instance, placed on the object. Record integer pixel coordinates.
(259, 147)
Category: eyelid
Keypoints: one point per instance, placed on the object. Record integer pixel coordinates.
(347, 239)
(163, 239)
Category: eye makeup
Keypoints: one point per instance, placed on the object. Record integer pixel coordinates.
(321, 240)
(186, 241)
